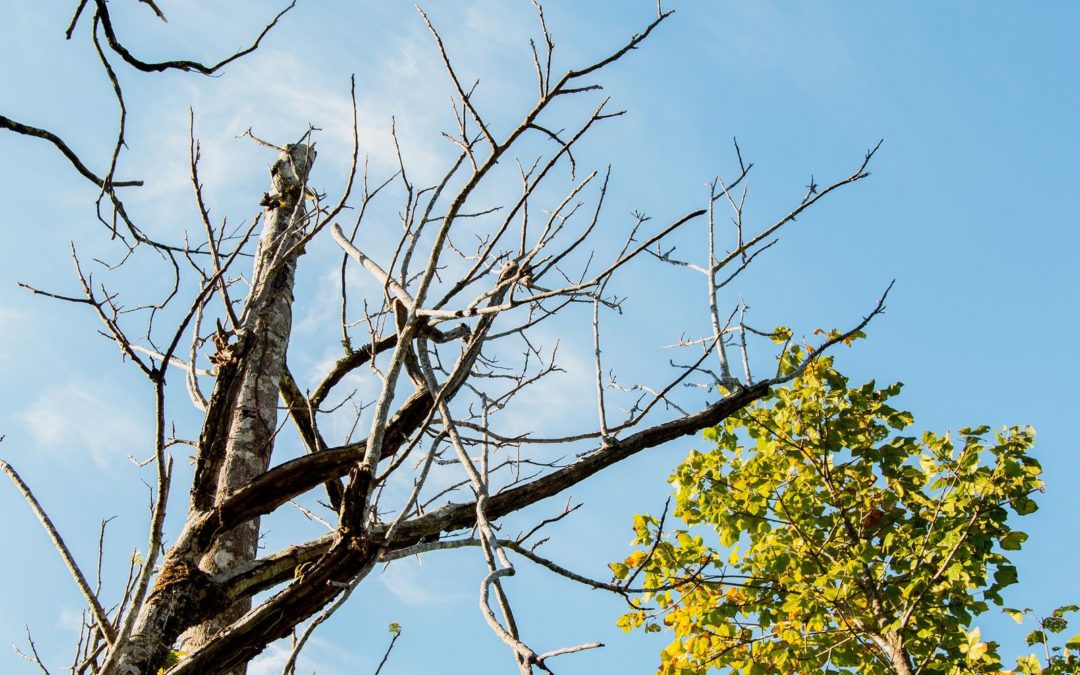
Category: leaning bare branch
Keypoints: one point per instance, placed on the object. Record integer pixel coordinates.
(373, 267)
(466, 99)
(100, 616)
(26, 130)
(119, 94)
(33, 656)
(75, 19)
(714, 313)
(542, 658)
(814, 354)
(138, 592)
(173, 361)
(632, 44)
(290, 664)
(858, 175)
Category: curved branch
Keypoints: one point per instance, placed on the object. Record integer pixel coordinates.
(184, 65)
(26, 130)
(348, 363)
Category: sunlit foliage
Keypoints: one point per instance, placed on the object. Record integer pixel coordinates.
(818, 537)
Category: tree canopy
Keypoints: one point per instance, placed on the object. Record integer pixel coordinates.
(820, 537)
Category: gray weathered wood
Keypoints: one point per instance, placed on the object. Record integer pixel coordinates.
(267, 323)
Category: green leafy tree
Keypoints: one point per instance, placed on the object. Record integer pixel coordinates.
(1057, 660)
(844, 545)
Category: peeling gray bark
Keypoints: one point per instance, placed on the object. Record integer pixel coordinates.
(237, 438)
(267, 325)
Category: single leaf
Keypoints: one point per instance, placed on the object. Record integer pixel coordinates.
(619, 570)
(1074, 642)
(1013, 540)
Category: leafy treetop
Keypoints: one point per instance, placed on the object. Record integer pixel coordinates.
(844, 545)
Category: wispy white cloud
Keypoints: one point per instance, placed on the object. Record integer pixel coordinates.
(10, 319)
(70, 619)
(409, 581)
(82, 418)
(274, 658)
(319, 655)
(561, 402)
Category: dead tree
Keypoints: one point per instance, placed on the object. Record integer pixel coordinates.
(463, 291)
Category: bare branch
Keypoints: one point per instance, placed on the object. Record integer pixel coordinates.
(191, 66)
(815, 354)
(88, 594)
(373, 267)
(26, 130)
(465, 97)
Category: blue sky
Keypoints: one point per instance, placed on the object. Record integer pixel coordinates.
(969, 208)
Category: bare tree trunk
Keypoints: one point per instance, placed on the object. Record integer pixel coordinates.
(266, 325)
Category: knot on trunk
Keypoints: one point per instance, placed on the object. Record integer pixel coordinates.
(191, 585)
